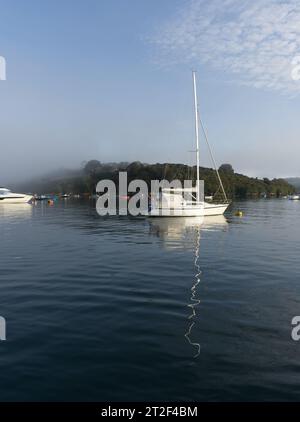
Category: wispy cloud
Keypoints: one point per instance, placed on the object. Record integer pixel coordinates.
(254, 40)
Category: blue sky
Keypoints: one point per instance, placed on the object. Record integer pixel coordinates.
(111, 79)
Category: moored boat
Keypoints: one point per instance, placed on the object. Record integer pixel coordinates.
(8, 197)
(41, 197)
(190, 202)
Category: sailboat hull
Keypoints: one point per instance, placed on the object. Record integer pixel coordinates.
(214, 209)
(192, 211)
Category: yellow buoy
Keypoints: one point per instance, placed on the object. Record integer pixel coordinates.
(239, 213)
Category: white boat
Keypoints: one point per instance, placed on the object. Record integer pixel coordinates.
(8, 197)
(294, 197)
(183, 203)
(189, 202)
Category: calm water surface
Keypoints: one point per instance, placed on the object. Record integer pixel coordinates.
(128, 309)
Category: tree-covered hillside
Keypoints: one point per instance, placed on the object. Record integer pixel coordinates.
(294, 181)
(236, 185)
(85, 179)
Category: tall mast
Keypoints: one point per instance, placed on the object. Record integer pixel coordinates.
(197, 136)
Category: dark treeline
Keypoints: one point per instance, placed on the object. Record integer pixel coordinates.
(84, 180)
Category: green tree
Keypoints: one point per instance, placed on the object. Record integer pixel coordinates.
(226, 168)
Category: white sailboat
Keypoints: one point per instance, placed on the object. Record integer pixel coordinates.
(188, 202)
